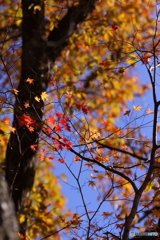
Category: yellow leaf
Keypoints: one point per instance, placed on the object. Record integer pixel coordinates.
(35, 208)
(37, 7)
(19, 22)
(22, 218)
(44, 96)
(15, 91)
(37, 99)
(137, 108)
(149, 186)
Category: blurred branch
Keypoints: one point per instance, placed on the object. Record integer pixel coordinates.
(8, 33)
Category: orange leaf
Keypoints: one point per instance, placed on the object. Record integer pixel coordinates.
(119, 132)
(30, 81)
(119, 225)
(106, 214)
(23, 236)
(124, 147)
(88, 165)
(34, 147)
(156, 213)
(149, 111)
(1, 100)
(15, 91)
(31, 129)
(26, 104)
(68, 94)
(7, 120)
(77, 159)
(119, 217)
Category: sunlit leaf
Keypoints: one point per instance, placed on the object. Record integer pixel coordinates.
(15, 91)
(137, 108)
(44, 96)
(30, 81)
(149, 111)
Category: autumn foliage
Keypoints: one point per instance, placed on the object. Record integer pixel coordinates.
(73, 120)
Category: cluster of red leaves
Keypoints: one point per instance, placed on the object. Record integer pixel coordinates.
(62, 122)
(28, 121)
(83, 107)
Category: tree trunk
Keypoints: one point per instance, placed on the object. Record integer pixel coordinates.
(37, 54)
(20, 159)
(8, 221)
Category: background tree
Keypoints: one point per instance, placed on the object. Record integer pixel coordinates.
(67, 64)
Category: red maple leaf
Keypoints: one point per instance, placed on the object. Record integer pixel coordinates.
(59, 115)
(51, 120)
(58, 144)
(61, 160)
(31, 129)
(51, 158)
(47, 130)
(58, 128)
(63, 121)
(67, 144)
(67, 127)
(105, 123)
(84, 109)
(34, 147)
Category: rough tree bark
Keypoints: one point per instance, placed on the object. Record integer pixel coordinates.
(8, 221)
(37, 53)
